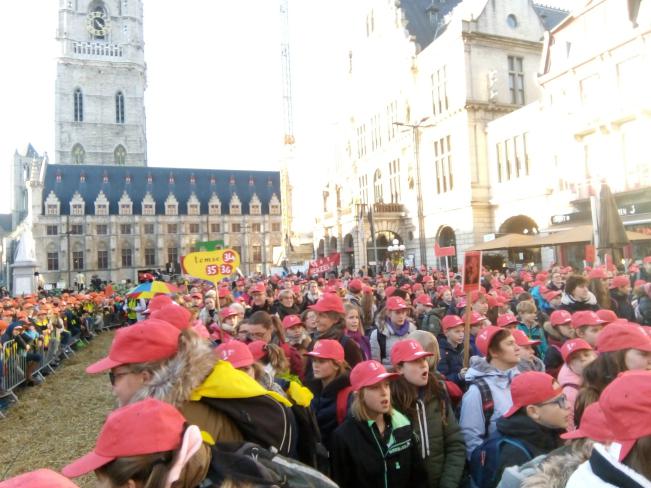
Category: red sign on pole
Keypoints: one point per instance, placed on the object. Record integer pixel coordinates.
(471, 271)
(441, 252)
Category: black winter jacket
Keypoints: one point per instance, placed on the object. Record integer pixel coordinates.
(362, 458)
(324, 405)
(623, 307)
(451, 362)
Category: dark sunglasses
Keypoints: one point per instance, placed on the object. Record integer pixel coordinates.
(113, 376)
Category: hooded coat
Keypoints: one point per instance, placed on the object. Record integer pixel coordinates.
(324, 405)
(392, 334)
(572, 305)
(554, 470)
(451, 362)
(472, 421)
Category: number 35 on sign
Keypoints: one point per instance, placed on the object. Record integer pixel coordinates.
(211, 265)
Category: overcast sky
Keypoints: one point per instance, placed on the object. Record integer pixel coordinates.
(214, 96)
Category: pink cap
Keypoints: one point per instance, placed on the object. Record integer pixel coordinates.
(355, 286)
(606, 315)
(424, 300)
(618, 281)
(484, 338)
(506, 319)
(327, 349)
(258, 288)
(521, 338)
(235, 352)
(597, 274)
(572, 346)
(158, 302)
(585, 318)
(593, 426)
(407, 350)
(476, 317)
(622, 335)
(396, 303)
(451, 321)
(369, 373)
(329, 302)
(291, 321)
(258, 349)
(227, 312)
(174, 314)
(41, 478)
(531, 388)
(149, 340)
(560, 317)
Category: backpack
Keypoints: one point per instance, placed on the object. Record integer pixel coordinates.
(487, 404)
(484, 461)
(343, 396)
(382, 342)
(252, 464)
(262, 420)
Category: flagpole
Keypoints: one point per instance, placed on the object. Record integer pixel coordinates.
(447, 271)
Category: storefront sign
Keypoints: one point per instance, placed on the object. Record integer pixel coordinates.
(625, 210)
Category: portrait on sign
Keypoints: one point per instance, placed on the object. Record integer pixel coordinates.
(471, 271)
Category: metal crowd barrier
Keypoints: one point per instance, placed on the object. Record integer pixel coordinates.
(14, 365)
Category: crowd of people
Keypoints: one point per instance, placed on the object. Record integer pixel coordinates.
(364, 382)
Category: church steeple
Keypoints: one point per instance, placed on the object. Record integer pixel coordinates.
(101, 82)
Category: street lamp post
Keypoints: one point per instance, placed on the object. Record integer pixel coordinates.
(396, 253)
(419, 193)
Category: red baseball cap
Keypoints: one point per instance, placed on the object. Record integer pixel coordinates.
(396, 303)
(227, 312)
(389, 290)
(41, 478)
(355, 285)
(291, 321)
(369, 373)
(507, 319)
(258, 349)
(626, 403)
(145, 427)
(158, 302)
(585, 318)
(619, 280)
(327, 349)
(572, 346)
(196, 295)
(550, 295)
(427, 279)
(521, 338)
(597, 274)
(149, 340)
(223, 292)
(235, 352)
(407, 350)
(560, 317)
(258, 288)
(174, 314)
(623, 335)
(593, 426)
(451, 321)
(476, 317)
(329, 302)
(531, 388)
(424, 300)
(485, 337)
(606, 315)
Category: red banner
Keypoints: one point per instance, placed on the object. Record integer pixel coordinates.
(441, 252)
(589, 253)
(323, 265)
(471, 271)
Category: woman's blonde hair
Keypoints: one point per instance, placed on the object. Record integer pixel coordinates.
(430, 344)
(359, 410)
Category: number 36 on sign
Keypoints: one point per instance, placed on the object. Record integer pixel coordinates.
(211, 265)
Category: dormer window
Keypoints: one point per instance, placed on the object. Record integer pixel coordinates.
(274, 209)
(192, 180)
(125, 209)
(77, 209)
(232, 180)
(193, 209)
(105, 178)
(148, 209)
(213, 180)
(127, 179)
(251, 181)
(170, 209)
(171, 179)
(58, 178)
(150, 179)
(101, 209)
(82, 178)
(52, 209)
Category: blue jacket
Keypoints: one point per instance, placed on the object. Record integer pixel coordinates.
(451, 361)
(536, 333)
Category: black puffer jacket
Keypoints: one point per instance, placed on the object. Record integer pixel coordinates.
(324, 405)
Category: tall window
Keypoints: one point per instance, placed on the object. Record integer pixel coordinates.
(236, 228)
(125, 228)
(148, 229)
(363, 188)
(53, 261)
(516, 80)
(172, 255)
(150, 256)
(102, 259)
(76, 229)
(79, 105)
(257, 228)
(119, 108)
(101, 229)
(215, 228)
(377, 187)
(77, 260)
(439, 91)
(120, 155)
(172, 228)
(52, 230)
(443, 164)
(193, 228)
(256, 251)
(394, 181)
(78, 154)
(126, 256)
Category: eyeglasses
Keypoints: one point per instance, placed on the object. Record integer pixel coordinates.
(561, 401)
(113, 376)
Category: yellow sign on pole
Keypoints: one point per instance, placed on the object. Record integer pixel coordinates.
(211, 265)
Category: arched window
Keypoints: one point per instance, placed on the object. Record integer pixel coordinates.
(119, 108)
(120, 155)
(377, 187)
(78, 154)
(79, 105)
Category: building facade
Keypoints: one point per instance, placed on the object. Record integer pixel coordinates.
(100, 83)
(112, 222)
(425, 79)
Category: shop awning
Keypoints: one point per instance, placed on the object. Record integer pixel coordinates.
(508, 241)
(577, 235)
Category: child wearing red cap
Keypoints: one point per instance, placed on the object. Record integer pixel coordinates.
(622, 346)
(528, 314)
(451, 347)
(490, 380)
(577, 354)
(422, 396)
(330, 386)
(528, 359)
(587, 326)
(375, 446)
(355, 331)
(559, 329)
(392, 325)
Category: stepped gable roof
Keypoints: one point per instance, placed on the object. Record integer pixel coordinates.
(64, 180)
(550, 16)
(419, 23)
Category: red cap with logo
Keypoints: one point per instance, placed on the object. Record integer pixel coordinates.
(484, 338)
(407, 350)
(572, 346)
(476, 318)
(258, 288)
(593, 426)
(327, 349)
(235, 352)
(355, 286)
(291, 321)
(145, 427)
(451, 321)
(531, 388)
(149, 340)
(623, 335)
(258, 349)
(174, 314)
(506, 319)
(550, 295)
(560, 317)
(227, 312)
(369, 373)
(597, 274)
(619, 280)
(424, 299)
(396, 303)
(521, 338)
(585, 318)
(626, 403)
(329, 302)
(389, 290)
(606, 315)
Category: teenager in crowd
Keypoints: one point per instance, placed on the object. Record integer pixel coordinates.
(577, 354)
(422, 397)
(375, 446)
(620, 293)
(528, 359)
(392, 326)
(577, 296)
(587, 326)
(559, 330)
(451, 347)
